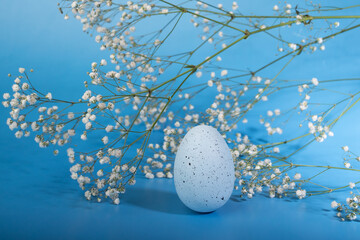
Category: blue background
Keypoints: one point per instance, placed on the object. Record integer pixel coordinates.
(38, 200)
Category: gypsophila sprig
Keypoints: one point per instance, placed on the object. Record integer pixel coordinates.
(145, 86)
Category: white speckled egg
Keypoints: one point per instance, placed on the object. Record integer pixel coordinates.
(204, 170)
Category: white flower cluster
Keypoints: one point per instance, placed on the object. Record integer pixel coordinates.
(127, 97)
(350, 210)
(254, 173)
(24, 100)
(317, 129)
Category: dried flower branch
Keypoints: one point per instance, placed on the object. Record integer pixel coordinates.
(151, 87)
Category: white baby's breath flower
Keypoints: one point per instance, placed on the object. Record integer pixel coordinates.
(6, 96)
(105, 139)
(49, 96)
(297, 176)
(109, 128)
(149, 175)
(132, 169)
(224, 73)
(315, 81)
(301, 193)
(160, 175)
(293, 46)
(334, 204)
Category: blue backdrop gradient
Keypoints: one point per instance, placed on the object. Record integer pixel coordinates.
(38, 200)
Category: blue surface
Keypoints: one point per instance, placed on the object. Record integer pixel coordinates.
(38, 200)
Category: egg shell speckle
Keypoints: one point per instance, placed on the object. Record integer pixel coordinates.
(204, 170)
